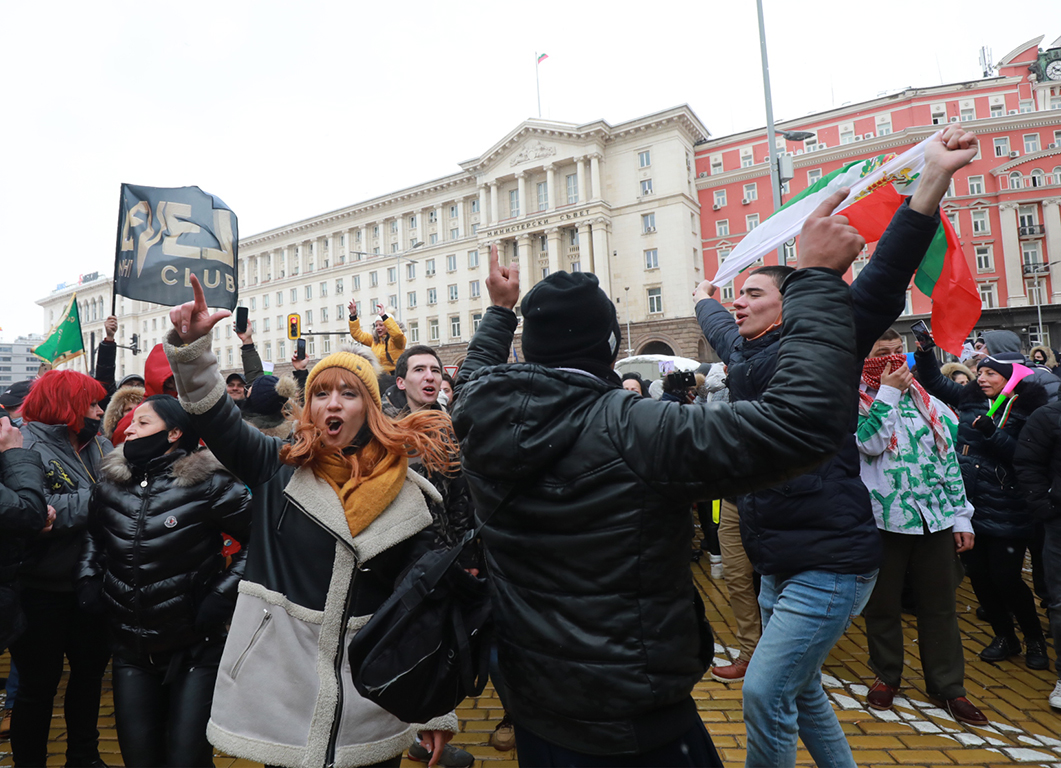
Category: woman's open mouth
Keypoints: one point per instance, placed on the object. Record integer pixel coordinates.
(333, 425)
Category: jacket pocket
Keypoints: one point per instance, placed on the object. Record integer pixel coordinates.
(262, 625)
(803, 485)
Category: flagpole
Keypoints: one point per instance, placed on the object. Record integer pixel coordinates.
(537, 83)
(775, 182)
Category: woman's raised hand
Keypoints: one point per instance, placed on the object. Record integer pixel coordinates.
(192, 320)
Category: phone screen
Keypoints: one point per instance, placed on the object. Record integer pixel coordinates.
(301, 353)
(241, 319)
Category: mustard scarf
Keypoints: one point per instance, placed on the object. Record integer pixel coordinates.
(365, 500)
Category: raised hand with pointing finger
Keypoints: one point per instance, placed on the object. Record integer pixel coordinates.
(193, 320)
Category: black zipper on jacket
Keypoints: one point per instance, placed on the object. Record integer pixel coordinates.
(137, 538)
(329, 760)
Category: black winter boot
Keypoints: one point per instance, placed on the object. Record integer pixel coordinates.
(1001, 648)
(1035, 657)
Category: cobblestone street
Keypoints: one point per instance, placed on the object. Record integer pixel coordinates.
(1023, 730)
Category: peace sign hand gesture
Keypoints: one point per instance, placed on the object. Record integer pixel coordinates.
(192, 320)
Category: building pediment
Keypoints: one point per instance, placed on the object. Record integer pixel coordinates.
(1031, 157)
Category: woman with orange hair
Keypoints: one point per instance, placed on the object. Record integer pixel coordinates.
(338, 516)
(61, 416)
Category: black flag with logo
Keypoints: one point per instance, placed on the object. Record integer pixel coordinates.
(166, 235)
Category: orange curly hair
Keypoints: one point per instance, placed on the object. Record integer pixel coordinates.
(426, 434)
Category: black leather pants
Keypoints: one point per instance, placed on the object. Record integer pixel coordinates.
(162, 705)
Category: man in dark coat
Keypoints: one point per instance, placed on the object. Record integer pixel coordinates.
(814, 538)
(600, 630)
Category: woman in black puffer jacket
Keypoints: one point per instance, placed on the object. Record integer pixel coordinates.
(153, 562)
(1002, 522)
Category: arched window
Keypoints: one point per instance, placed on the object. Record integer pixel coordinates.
(1056, 176)
(1038, 177)
(1015, 180)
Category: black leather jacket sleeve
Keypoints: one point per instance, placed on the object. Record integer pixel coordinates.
(23, 509)
(243, 450)
(106, 355)
(252, 363)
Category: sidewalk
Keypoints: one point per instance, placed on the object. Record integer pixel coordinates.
(1023, 731)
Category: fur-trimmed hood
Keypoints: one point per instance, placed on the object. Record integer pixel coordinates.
(191, 469)
(124, 397)
(949, 369)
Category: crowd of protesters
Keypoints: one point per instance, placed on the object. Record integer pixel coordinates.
(220, 540)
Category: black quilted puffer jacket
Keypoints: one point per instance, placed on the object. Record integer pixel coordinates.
(155, 540)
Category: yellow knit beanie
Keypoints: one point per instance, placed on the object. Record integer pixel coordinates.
(359, 360)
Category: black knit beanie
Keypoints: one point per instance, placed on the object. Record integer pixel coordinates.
(1001, 363)
(569, 322)
(264, 398)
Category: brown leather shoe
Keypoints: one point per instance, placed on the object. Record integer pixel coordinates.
(732, 673)
(881, 695)
(962, 710)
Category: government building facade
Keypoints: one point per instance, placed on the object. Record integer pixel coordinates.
(619, 201)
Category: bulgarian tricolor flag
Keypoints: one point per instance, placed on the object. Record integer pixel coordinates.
(878, 186)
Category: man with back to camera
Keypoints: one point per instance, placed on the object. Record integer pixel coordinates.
(814, 537)
(600, 636)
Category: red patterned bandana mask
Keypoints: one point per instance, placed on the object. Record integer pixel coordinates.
(873, 369)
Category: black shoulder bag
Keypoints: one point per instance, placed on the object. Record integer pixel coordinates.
(427, 648)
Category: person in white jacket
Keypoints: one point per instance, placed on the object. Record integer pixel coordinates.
(906, 444)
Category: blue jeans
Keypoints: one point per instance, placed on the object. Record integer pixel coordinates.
(803, 617)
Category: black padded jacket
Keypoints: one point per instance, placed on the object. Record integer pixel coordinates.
(155, 539)
(23, 513)
(1038, 462)
(598, 632)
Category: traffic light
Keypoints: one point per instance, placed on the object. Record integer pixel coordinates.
(135, 346)
(294, 326)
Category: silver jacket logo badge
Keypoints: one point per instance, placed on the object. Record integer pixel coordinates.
(171, 522)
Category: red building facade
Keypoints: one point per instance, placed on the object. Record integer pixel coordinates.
(1005, 205)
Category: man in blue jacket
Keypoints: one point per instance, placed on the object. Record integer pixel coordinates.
(813, 538)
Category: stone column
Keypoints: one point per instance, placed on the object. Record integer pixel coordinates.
(602, 256)
(1052, 224)
(333, 251)
(550, 186)
(441, 224)
(494, 218)
(461, 230)
(553, 237)
(580, 162)
(594, 169)
(528, 261)
(400, 219)
(1016, 296)
(482, 206)
(521, 187)
(585, 246)
(285, 261)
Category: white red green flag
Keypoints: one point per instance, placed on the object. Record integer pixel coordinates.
(542, 57)
(877, 186)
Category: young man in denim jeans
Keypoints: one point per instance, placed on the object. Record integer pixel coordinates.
(813, 538)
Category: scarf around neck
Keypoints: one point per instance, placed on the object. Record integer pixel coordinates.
(872, 370)
(363, 501)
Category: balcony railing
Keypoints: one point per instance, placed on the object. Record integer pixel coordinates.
(1032, 230)
(1031, 181)
(1035, 268)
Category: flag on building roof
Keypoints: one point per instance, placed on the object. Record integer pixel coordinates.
(542, 57)
(878, 186)
(64, 341)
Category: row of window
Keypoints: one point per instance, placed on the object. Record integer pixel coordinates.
(751, 221)
(542, 190)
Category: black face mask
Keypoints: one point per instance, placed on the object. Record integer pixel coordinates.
(88, 431)
(142, 450)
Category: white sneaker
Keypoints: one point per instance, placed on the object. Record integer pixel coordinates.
(1055, 696)
(716, 566)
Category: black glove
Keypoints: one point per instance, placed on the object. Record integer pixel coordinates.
(985, 425)
(90, 595)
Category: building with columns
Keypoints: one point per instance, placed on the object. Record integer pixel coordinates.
(1004, 206)
(617, 200)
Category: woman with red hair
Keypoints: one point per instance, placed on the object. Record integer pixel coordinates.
(338, 516)
(61, 416)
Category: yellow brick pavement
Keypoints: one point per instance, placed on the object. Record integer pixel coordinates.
(1024, 730)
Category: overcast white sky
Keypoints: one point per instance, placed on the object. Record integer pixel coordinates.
(286, 110)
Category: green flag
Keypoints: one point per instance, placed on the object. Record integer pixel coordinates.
(64, 342)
